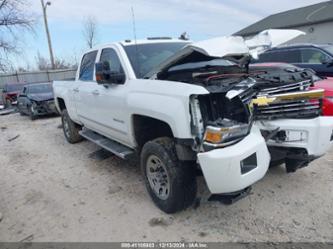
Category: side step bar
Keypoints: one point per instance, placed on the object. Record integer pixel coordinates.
(108, 144)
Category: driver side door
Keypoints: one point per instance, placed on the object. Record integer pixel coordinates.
(110, 101)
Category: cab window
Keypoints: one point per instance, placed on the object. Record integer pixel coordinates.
(287, 56)
(87, 66)
(110, 55)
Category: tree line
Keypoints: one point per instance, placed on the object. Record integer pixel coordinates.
(15, 21)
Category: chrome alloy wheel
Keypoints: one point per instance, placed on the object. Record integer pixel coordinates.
(66, 126)
(158, 177)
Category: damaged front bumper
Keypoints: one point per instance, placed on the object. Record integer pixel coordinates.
(44, 108)
(235, 167)
(298, 141)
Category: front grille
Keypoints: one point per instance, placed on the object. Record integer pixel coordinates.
(289, 109)
(287, 88)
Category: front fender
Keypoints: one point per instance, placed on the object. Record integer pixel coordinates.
(173, 110)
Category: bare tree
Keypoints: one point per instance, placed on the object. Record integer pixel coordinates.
(90, 31)
(43, 64)
(13, 21)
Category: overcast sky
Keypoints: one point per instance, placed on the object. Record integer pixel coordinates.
(200, 18)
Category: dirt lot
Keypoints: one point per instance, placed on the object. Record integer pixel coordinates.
(53, 191)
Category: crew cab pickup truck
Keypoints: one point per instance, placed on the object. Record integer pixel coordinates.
(184, 107)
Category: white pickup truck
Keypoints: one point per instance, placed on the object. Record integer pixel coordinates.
(184, 107)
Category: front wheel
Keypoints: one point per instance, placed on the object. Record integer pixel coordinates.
(71, 129)
(171, 184)
(32, 114)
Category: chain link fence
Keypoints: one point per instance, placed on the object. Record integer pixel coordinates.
(36, 77)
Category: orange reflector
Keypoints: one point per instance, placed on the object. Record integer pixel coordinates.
(213, 137)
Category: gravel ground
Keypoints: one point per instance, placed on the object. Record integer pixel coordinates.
(54, 191)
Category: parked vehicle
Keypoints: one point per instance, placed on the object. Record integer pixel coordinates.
(317, 57)
(2, 102)
(327, 85)
(36, 100)
(186, 106)
(288, 69)
(10, 92)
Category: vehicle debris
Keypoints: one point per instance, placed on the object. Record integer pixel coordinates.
(28, 238)
(13, 138)
(160, 221)
(8, 111)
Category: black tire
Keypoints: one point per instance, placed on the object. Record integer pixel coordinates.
(71, 129)
(31, 113)
(19, 110)
(8, 103)
(181, 176)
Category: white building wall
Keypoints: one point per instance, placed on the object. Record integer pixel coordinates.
(318, 33)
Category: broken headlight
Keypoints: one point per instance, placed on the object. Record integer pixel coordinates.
(227, 134)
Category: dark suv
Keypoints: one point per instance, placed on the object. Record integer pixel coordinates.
(317, 57)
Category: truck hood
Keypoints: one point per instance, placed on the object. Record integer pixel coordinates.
(227, 47)
(41, 96)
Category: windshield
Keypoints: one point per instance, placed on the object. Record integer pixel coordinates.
(14, 87)
(144, 57)
(203, 64)
(40, 88)
(329, 49)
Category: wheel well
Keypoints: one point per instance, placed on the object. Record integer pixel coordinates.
(61, 104)
(147, 128)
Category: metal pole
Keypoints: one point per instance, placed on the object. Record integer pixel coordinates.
(48, 32)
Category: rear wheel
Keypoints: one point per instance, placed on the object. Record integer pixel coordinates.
(71, 129)
(171, 184)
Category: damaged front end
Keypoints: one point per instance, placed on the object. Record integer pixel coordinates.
(249, 118)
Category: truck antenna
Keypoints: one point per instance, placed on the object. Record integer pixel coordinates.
(134, 33)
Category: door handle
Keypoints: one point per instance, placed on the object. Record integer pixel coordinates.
(95, 92)
(76, 89)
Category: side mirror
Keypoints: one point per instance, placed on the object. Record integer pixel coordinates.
(104, 75)
(327, 61)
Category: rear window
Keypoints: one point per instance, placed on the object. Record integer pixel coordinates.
(87, 66)
(287, 56)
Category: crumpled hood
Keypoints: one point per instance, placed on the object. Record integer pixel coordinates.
(41, 96)
(230, 46)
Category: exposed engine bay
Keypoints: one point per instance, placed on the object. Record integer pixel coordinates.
(241, 94)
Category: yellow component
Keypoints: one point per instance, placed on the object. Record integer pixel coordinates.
(313, 94)
(262, 101)
(304, 95)
(213, 137)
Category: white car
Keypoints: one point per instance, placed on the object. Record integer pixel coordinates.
(185, 106)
